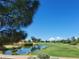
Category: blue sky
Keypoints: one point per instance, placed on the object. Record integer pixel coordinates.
(55, 18)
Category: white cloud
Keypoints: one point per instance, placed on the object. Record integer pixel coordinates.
(76, 37)
(51, 39)
(55, 38)
(59, 38)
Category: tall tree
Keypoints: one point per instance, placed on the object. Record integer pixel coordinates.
(15, 14)
(73, 41)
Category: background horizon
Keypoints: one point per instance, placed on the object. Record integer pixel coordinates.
(55, 18)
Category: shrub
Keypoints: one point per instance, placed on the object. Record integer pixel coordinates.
(73, 43)
(43, 56)
(31, 57)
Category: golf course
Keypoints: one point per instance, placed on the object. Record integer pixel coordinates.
(53, 31)
(59, 50)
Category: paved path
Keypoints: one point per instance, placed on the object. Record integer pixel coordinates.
(26, 57)
(62, 58)
(13, 57)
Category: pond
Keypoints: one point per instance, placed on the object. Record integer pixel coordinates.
(25, 50)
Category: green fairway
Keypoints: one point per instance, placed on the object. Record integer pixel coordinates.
(59, 49)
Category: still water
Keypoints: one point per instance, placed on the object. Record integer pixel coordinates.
(26, 50)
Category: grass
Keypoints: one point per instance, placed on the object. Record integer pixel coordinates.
(59, 49)
(0, 52)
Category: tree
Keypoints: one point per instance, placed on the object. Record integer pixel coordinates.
(39, 40)
(34, 39)
(73, 41)
(68, 41)
(78, 39)
(15, 14)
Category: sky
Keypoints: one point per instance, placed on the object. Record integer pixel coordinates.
(55, 19)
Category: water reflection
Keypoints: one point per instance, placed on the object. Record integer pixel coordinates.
(8, 52)
(25, 50)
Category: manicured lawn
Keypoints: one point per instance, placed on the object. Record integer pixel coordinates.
(59, 49)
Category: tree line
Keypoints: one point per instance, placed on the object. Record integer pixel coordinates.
(72, 40)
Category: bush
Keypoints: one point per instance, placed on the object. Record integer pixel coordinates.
(43, 56)
(73, 43)
(32, 57)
